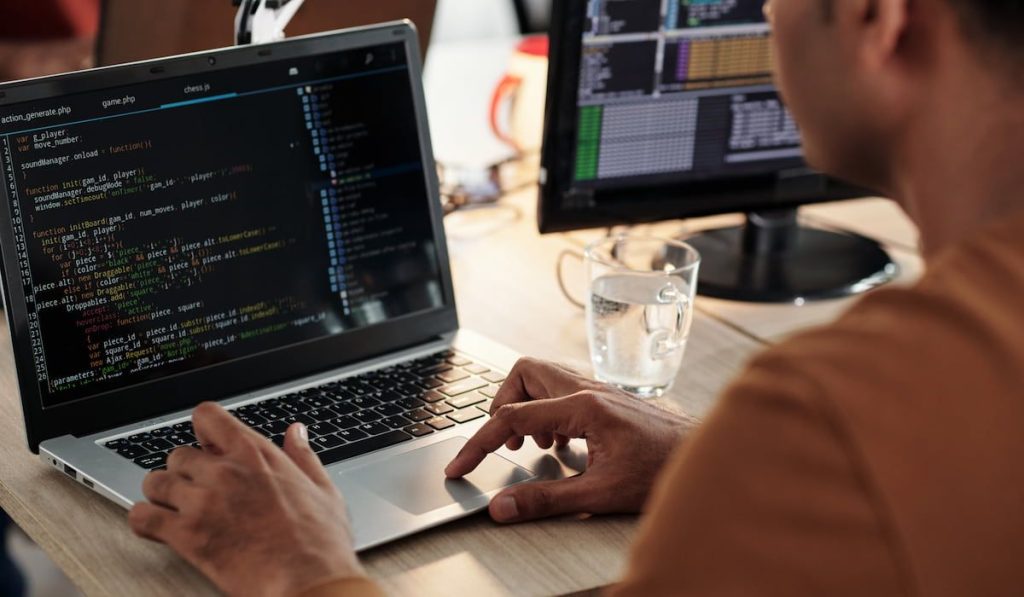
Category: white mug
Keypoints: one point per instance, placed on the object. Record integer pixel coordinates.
(519, 98)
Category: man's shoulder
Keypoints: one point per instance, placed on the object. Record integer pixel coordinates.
(924, 387)
(960, 327)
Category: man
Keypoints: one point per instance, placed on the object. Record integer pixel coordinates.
(877, 456)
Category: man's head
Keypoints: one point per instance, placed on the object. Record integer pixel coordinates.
(860, 75)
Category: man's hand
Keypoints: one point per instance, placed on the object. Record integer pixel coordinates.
(628, 442)
(254, 519)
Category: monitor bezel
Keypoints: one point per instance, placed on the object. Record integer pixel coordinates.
(642, 204)
(182, 391)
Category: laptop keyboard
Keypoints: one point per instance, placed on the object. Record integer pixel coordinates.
(353, 416)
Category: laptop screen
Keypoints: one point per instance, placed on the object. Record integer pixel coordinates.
(178, 224)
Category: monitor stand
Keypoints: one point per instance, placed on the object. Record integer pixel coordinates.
(772, 259)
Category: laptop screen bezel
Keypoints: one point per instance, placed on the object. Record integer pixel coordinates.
(160, 397)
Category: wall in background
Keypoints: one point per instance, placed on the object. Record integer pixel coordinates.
(463, 20)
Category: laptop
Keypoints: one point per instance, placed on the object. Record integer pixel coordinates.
(257, 226)
(131, 30)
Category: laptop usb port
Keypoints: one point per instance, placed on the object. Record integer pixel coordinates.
(70, 472)
(88, 482)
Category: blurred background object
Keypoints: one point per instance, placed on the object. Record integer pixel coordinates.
(133, 30)
(534, 16)
(44, 37)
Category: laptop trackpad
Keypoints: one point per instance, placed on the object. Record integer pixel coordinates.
(415, 481)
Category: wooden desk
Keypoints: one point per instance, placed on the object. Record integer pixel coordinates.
(506, 289)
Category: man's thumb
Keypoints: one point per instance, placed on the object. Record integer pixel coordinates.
(542, 499)
(296, 446)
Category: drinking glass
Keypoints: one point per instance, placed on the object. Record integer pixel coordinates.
(639, 310)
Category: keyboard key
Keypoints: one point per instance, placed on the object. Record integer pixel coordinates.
(432, 396)
(418, 415)
(419, 430)
(374, 428)
(251, 419)
(391, 396)
(389, 410)
(440, 408)
(273, 413)
(434, 369)
(344, 408)
(396, 422)
(276, 427)
(459, 361)
(294, 408)
(132, 451)
(117, 444)
(278, 440)
(357, 388)
(351, 435)
(181, 439)
(363, 447)
(300, 418)
(152, 461)
(409, 404)
(185, 427)
(476, 369)
(263, 432)
(406, 377)
(385, 383)
(440, 423)
(430, 383)
(463, 387)
(339, 394)
(317, 401)
(161, 432)
(328, 441)
(345, 422)
(490, 391)
(494, 377)
(486, 406)
(465, 416)
(364, 402)
(309, 392)
(452, 376)
(157, 445)
(324, 428)
(368, 416)
(467, 400)
(321, 414)
(138, 438)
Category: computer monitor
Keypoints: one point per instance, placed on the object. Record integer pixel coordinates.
(665, 109)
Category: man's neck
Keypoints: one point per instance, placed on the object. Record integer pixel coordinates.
(961, 168)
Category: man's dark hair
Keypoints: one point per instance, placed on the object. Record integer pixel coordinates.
(997, 23)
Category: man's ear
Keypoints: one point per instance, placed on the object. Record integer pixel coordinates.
(875, 28)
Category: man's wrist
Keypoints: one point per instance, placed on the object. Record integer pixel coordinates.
(356, 584)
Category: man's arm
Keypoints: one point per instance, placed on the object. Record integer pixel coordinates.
(767, 498)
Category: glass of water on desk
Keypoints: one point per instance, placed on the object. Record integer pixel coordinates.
(639, 310)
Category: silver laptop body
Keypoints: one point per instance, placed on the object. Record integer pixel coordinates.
(258, 226)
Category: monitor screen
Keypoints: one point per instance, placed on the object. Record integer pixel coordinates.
(678, 92)
(666, 108)
(183, 223)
